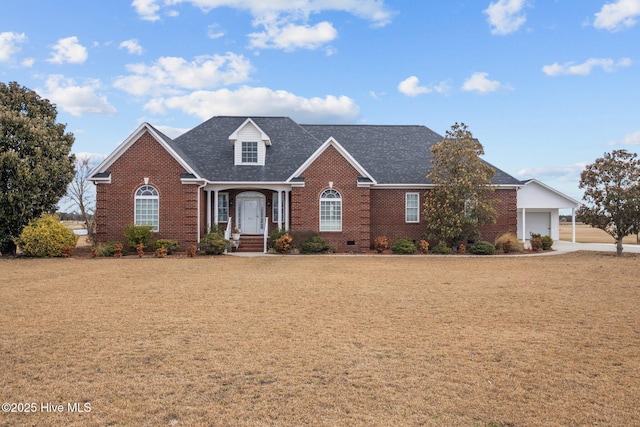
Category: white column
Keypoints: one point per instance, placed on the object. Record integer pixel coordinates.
(573, 225)
(524, 224)
(208, 209)
(215, 206)
(279, 207)
(286, 210)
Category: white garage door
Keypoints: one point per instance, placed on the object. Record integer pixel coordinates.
(538, 222)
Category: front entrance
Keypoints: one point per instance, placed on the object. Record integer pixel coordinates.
(250, 211)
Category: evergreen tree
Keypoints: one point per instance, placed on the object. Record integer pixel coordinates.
(35, 161)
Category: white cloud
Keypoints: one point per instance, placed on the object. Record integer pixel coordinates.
(132, 46)
(505, 16)
(618, 15)
(10, 44)
(478, 82)
(411, 87)
(285, 23)
(259, 101)
(171, 132)
(562, 173)
(628, 139)
(171, 75)
(290, 37)
(214, 31)
(68, 50)
(77, 100)
(571, 68)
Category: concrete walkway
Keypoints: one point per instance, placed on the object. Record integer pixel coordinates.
(562, 246)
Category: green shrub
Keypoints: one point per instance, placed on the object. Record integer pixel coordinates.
(213, 244)
(46, 237)
(509, 242)
(170, 245)
(404, 246)
(442, 249)
(136, 234)
(315, 245)
(547, 242)
(482, 247)
(275, 235)
(108, 249)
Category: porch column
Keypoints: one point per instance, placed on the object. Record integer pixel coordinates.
(573, 225)
(215, 206)
(279, 207)
(208, 209)
(286, 210)
(524, 224)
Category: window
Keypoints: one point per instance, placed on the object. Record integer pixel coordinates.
(412, 207)
(249, 152)
(330, 211)
(146, 207)
(276, 207)
(223, 207)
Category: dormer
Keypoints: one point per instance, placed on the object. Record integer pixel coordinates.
(250, 144)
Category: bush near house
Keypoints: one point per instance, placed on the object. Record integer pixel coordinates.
(508, 242)
(213, 244)
(381, 244)
(275, 235)
(547, 242)
(442, 249)
(536, 242)
(315, 245)
(283, 244)
(136, 234)
(170, 245)
(403, 246)
(46, 237)
(482, 247)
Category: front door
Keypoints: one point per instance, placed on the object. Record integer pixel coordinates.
(251, 215)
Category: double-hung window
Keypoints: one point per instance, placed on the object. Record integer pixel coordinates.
(412, 207)
(249, 152)
(223, 207)
(330, 211)
(147, 210)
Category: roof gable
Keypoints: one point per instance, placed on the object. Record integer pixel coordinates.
(331, 142)
(249, 122)
(99, 172)
(535, 194)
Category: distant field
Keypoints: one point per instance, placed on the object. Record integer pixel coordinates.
(322, 340)
(588, 234)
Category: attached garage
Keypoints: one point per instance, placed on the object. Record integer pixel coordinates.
(539, 210)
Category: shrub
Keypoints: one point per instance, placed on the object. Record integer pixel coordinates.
(46, 237)
(423, 246)
(315, 245)
(283, 244)
(381, 244)
(191, 252)
(536, 242)
(136, 234)
(170, 245)
(508, 242)
(275, 235)
(107, 249)
(299, 237)
(462, 248)
(482, 247)
(161, 252)
(117, 250)
(403, 246)
(140, 250)
(547, 242)
(213, 244)
(442, 249)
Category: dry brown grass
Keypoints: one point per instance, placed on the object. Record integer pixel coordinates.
(326, 340)
(587, 234)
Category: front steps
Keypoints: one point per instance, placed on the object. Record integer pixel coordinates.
(251, 243)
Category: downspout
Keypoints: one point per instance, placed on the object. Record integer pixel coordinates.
(199, 210)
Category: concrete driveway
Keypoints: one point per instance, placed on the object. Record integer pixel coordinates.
(563, 246)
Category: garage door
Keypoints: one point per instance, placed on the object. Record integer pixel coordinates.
(538, 222)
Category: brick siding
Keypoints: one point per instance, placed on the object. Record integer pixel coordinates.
(146, 158)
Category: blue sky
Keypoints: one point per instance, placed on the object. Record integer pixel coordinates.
(546, 86)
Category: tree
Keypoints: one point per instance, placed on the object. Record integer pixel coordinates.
(81, 195)
(612, 195)
(35, 161)
(459, 203)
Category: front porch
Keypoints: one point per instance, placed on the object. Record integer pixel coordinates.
(251, 212)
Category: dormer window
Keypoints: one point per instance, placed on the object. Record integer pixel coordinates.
(250, 144)
(249, 151)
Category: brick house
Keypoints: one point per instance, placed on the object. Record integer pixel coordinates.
(346, 183)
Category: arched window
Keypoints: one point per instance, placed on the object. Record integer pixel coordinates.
(147, 207)
(330, 210)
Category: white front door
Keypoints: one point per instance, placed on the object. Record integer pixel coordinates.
(251, 215)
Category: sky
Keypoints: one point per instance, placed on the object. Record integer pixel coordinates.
(547, 86)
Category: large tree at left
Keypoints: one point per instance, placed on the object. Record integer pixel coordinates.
(36, 164)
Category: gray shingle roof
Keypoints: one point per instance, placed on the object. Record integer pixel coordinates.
(390, 154)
